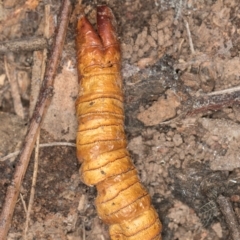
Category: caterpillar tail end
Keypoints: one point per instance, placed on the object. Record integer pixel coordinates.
(106, 26)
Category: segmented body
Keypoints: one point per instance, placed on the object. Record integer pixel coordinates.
(122, 201)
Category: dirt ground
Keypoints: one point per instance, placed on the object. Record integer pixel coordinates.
(177, 58)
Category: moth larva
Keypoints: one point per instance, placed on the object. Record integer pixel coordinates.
(122, 201)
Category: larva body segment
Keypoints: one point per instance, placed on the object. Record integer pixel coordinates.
(122, 201)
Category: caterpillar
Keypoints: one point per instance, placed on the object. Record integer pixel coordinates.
(122, 202)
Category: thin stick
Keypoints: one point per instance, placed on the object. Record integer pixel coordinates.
(84, 232)
(19, 45)
(189, 37)
(230, 217)
(225, 91)
(23, 203)
(52, 144)
(34, 180)
(42, 103)
(213, 101)
(14, 90)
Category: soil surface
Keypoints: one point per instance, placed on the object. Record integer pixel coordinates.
(183, 135)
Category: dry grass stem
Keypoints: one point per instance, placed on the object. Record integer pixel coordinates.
(189, 37)
(34, 180)
(23, 203)
(53, 144)
(11, 75)
(19, 45)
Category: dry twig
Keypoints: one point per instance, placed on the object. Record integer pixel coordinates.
(23, 203)
(230, 216)
(213, 101)
(43, 101)
(189, 37)
(14, 90)
(34, 180)
(53, 144)
(19, 45)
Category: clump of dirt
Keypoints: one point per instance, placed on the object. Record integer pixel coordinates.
(187, 154)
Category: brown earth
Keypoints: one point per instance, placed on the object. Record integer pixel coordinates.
(186, 160)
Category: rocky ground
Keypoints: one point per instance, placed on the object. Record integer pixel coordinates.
(180, 64)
